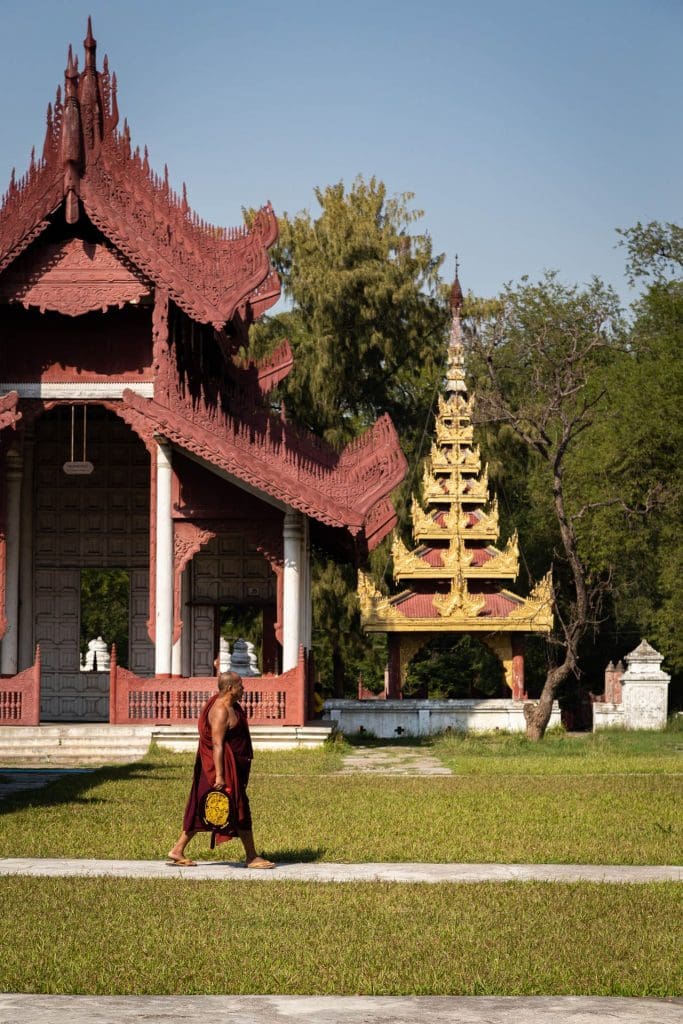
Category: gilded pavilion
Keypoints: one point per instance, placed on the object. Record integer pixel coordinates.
(454, 576)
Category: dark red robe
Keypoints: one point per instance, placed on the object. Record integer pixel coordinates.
(237, 758)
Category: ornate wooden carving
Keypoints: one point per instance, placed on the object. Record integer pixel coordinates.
(9, 410)
(72, 278)
(88, 164)
(191, 535)
(276, 459)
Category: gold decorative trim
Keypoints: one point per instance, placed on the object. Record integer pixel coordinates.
(505, 562)
(410, 644)
(374, 606)
(405, 561)
(501, 645)
(538, 606)
(459, 603)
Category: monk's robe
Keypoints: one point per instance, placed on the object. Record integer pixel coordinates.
(237, 758)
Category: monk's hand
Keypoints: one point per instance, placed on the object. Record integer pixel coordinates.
(219, 784)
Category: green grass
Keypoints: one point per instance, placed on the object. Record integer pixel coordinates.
(305, 813)
(610, 751)
(91, 936)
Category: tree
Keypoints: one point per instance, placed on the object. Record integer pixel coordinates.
(368, 316)
(367, 325)
(635, 453)
(534, 356)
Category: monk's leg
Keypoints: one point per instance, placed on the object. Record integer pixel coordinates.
(253, 859)
(177, 852)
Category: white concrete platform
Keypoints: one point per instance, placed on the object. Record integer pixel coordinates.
(323, 872)
(230, 1009)
(99, 744)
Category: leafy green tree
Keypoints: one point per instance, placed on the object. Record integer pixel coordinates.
(367, 324)
(633, 464)
(534, 355)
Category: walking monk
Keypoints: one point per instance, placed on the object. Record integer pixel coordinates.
(223, 761)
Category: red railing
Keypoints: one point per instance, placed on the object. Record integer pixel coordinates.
(20, 696)
(174, 700)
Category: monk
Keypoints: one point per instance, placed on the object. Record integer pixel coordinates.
(223, 761)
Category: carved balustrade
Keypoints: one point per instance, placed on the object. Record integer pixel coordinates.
(174, 700)
(20, 696)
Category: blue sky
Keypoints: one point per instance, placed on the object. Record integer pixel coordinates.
(528, 131)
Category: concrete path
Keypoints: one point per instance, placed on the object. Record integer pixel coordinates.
(19, 780)
(392, 760)
(30, 1009)
(322, 872)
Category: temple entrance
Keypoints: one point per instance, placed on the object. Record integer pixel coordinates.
(90, 548)
(233, 597)
(452, 667)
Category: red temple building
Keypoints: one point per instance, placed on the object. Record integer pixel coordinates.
(134, 436)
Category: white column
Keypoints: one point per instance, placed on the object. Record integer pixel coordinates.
(164, 566)
(306, 610)
(291, 590)
(26, 648)
(10, 641)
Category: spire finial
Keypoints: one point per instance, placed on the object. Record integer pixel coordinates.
(456, 297)
(90, 45)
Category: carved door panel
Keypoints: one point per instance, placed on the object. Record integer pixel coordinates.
(141, 657)
(203, 640)
(67, 694)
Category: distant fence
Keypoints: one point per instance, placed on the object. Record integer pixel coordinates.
(20, 696)
(165, 700)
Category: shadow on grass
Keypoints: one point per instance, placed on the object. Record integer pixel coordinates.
(306, 855)
(70, 784)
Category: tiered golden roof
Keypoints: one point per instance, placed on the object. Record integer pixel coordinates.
(453, 573)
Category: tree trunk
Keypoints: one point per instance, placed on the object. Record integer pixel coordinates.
(537, 713)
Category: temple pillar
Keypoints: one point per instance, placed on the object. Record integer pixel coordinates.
(306, 609)
(180, 658)
(9, 658)
(26, 646)
(518, 690)
(291, 589)
(393, 687)
(164, 562)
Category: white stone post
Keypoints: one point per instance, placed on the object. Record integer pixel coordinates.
(26, 647)
(164, 562)
(644, 689)
(10, 641)
(306, 609)
(291, 590)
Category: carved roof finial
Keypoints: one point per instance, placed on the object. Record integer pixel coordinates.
(455, 374)
(456, 297)
(90, 46)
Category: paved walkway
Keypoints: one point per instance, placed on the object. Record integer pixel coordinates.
(392, 760)
(19, 780)
(324, 872)
(30, 1009)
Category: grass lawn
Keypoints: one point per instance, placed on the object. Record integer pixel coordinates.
(608, 799)
(302, 811)
(95, 936)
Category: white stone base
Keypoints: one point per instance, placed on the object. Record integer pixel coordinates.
(388, 719)
(607, 715)
(263, 737)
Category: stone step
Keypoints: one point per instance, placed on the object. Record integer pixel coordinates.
(119, 744)
(263, 737)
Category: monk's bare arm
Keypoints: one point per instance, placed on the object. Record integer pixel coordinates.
(218, 720)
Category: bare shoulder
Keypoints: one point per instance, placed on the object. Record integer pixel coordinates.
(218, 715)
